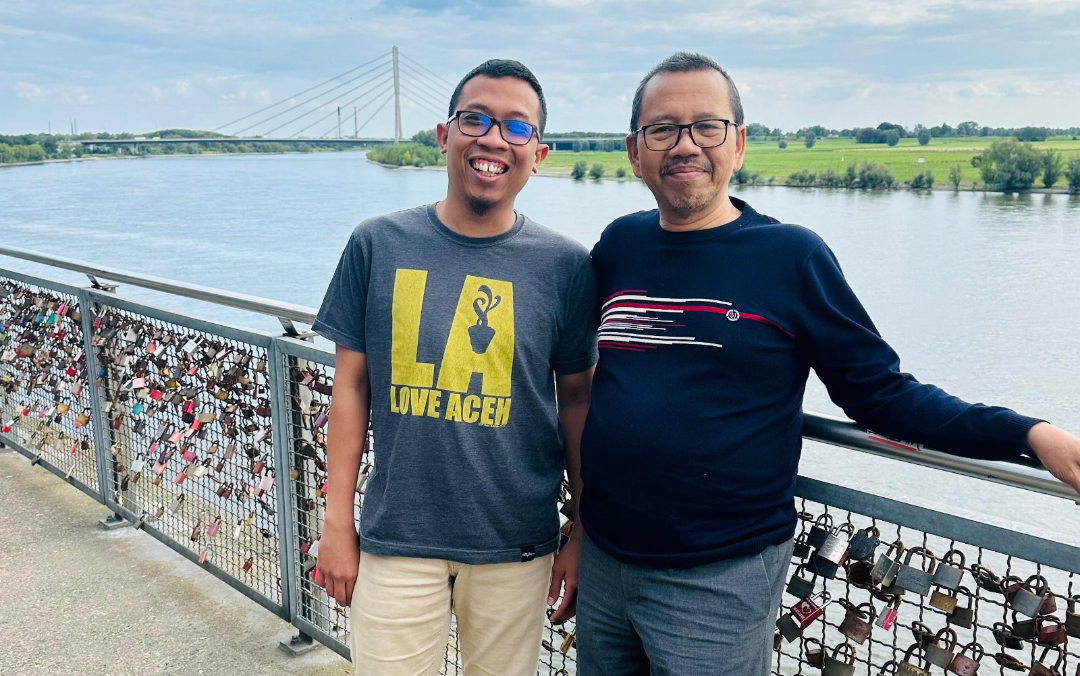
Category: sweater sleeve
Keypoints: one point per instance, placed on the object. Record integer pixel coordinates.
(862, 374)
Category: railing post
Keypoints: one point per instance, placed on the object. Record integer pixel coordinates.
(282, 442)
(102, 438)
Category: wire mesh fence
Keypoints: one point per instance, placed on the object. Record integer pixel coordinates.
(44, 399)
(213, 439)
(187, 407)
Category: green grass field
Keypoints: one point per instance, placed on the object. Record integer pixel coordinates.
(769, 160)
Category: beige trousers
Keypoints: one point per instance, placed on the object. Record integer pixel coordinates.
(400, 617)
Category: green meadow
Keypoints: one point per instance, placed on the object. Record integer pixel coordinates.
(767, 159)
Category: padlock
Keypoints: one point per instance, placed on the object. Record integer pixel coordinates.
(814, 652)
(941, 650)
(887, 565)
(1034, 598)
(801, 548)
(802, 614)
(963, 616)
(1049, 630)
(1072, 617)
(1024, 629)
(801, 587)
(914, 579)
(858, 573)
(963, 664)
(1039, 668)
(863, 544)
(944, 601)
(909, 668)
(888, 615)
(949, 575)
(922, 634)
(985, 579)
(818, 565)
(1005, 637)
(841, 662)
(820, 531)
(835, 547)
(857, 622)
(1007, 661)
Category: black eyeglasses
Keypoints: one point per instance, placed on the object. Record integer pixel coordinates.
(514, 132)
(703, 133)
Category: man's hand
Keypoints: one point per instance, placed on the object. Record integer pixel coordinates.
(1058, 451)
(564, 576)
(338, 562)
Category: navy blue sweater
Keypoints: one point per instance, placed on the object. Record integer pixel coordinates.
(692, 443)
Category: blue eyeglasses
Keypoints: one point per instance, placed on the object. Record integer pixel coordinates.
(514, 132)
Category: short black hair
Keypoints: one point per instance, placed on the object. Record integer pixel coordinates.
(686, 62)
(502, 68)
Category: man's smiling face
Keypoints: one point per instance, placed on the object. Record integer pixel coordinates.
(487, 171)
(687, 179)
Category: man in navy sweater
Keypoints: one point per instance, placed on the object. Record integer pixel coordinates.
(711, 317)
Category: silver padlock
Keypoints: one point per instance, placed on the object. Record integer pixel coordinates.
(914, 579)
(835, 547)
(1030, 598)
(887, 565)
(949, 575)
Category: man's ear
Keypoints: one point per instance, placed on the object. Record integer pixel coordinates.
(632, 153)
(442, 131)
(541, 152)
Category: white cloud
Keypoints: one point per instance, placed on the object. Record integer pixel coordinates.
(65, 94)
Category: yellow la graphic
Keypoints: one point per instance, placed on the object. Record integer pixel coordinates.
(481, 340)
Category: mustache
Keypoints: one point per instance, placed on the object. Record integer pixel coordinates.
(699, 163)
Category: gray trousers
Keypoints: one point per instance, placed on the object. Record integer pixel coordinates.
(716, 618)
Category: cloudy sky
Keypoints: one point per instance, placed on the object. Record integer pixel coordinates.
(135, 65)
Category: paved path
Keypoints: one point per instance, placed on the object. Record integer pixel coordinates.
(75, 599)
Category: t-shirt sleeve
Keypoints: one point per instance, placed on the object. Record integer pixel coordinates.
(862, 374)
(342, 313)
(576, 348)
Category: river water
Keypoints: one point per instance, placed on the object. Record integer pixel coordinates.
(979, 294)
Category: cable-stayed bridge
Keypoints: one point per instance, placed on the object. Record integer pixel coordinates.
(338, 111)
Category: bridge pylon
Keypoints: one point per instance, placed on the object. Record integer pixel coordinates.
(397, 98)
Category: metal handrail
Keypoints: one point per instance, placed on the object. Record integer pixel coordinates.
(242, 301)
(1019, 473)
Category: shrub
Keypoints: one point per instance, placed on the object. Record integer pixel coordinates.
(620, 172)
(1052, 165)
(579, 170)
(810, 139)
(831, 179)
(924, 136)
(874, 176)
(1009, 165)
(596, 171)
(851, 178)
(1072, 175)
(802, 179)
(956, 174)
(782, 144)
(892, 137)
(923, 181)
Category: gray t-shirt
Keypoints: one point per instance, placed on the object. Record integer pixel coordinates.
(462, 337)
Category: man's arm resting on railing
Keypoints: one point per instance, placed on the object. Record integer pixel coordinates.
(350, 408)
(1058, 451)
(573, 392)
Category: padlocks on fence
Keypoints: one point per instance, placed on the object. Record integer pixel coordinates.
(918, 580)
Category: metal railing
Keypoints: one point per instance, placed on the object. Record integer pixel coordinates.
(211, 438)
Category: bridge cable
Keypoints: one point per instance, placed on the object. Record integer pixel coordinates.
(388, 100)
(289, 98)
(385, 76)
(383, 73)
(431, 73)
(356, 112)
(427, 84)
(389, 86)
(437, 102)
(411, 97)
(425, 98)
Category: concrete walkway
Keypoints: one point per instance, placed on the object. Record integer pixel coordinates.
(75, 599)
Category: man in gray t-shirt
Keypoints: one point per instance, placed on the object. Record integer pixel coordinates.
(457, 325)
